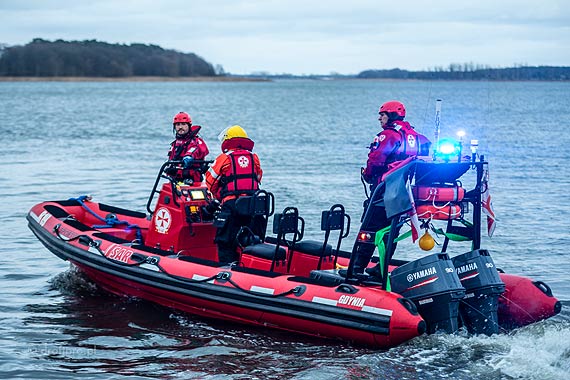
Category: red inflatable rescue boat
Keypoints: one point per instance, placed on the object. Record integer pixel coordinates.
(284, 281)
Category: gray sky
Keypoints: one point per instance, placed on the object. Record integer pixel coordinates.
(310, 37)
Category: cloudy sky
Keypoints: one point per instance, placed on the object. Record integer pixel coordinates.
(310, 36)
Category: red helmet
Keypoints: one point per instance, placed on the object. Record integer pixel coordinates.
(182, 117)
(393, 106)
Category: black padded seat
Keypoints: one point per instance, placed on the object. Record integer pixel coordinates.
(265, 251)
(313, 248)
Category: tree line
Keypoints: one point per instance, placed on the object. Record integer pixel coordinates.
(470, 71)
(92, 58)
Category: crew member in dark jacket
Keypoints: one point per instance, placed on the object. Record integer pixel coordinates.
(397, 141)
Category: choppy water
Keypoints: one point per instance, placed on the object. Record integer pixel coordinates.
(61, 140)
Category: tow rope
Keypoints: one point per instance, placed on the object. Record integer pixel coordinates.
(110, 221)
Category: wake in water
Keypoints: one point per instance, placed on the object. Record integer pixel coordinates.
(540, 351)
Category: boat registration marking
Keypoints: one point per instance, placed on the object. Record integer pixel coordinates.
(377, 310)
(367, 309)
(325, 301)
(261, 289)
(351, 301)
(119, 253)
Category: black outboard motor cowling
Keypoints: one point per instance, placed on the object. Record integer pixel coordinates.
(483, 286)
(432, 283)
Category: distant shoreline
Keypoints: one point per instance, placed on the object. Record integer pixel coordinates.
(132, 79)
(253, 79)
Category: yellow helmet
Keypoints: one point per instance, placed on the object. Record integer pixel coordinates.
(231, 132)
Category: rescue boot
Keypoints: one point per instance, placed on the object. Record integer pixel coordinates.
(375, 271)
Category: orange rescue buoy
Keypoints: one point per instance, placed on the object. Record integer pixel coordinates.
(438, 194)
(430, 211)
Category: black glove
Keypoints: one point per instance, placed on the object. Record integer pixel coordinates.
(187, 161)
(213, 206)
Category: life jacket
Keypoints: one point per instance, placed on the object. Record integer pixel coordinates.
(188, 145)
(177, 149)
(241, 178)
(180, 146)
(412, 143)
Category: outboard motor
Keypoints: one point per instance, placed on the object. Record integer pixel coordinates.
(483, 285)
(433, 285)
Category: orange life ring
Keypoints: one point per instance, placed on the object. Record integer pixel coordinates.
(438, 194)
(446, 212)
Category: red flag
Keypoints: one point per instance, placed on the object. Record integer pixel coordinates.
(487, 205)
(415, 222)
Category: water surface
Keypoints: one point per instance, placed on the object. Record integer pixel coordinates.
(62, 140)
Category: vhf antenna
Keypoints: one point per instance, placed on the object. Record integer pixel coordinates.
(437, 122)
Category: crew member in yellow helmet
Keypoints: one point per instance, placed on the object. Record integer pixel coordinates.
(234, 173)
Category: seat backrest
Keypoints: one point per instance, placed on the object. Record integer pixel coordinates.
(259, 207)
(286, 223)
(335, 218)
(289, 222)
(259, 204)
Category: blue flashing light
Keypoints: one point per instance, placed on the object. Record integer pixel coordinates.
(448, 148)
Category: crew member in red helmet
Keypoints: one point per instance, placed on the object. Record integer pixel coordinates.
(187, 147)
(397, 141)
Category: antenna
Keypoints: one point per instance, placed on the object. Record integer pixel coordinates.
(437, 121)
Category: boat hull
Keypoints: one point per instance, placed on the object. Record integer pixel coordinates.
(525, 301)
(360, 315)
